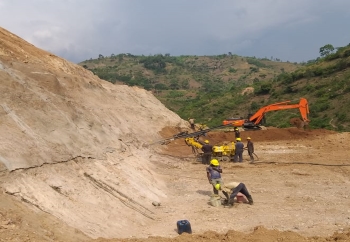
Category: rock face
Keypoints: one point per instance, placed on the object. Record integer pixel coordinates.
(96, 134)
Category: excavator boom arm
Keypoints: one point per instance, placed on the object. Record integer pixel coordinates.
(254, 120)
(303, 108)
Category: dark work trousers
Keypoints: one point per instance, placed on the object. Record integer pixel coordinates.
(238, 156)
(238, 152)
(206, 158)
(250, 153)
(240, 188)
(250, 147)
(237, 134)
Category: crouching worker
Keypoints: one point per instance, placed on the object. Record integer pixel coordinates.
(213, 174)
(231, 190)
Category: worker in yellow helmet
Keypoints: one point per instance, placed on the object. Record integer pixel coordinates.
(214, 174)
(207, 152)
(237, 133)
(239, 146)
(230, 190)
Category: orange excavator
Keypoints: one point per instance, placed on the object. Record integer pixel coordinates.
(254, 121)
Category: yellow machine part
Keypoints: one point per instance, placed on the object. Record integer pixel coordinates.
(226, 149)
(217, 149)
(192, 142)
(229, 149)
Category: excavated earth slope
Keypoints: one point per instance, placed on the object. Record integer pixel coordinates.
(74, 146)
(78, 163)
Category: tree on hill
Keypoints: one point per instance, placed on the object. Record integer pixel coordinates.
(326, 50)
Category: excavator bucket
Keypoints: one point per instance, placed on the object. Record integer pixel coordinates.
(297, 122)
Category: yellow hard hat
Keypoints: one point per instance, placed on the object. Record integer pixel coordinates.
(206, 141)
(217, 186)
(248, 137)
(214, 162)
(238, 139)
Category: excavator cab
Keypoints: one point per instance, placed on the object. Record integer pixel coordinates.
(251, 125)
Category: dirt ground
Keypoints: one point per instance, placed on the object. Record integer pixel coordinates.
(300, 187)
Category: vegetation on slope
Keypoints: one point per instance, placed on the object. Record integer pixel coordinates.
(212, 88)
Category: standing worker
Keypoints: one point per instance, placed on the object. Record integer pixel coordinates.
(207, 150)
(250, 148)
(237, 133)
(233, 188)
(239, 146)
(191, 121)
(214, 176)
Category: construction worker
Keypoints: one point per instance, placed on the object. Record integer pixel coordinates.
(213, 174)
(191, 121)
(250, 148)
(239, 146)
(230, 190)
(237, 133)
(207, 152)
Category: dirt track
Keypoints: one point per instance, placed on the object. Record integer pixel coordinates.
(300, 185)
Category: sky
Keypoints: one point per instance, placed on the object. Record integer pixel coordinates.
(77, 30)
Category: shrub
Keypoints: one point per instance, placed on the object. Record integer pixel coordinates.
(346, 53)
(232, 70)
(285, 78)
(254, 106)
(263, 89)
(321, 92)
(309, 88)
(332, 56)
(318, 71)
(341, 116)
(255, 62)
(320, 123)
(160, 86)
(290, 89)
(341, 65)
(319, 107)
(174, 94)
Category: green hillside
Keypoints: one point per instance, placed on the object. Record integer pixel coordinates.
(212, 88)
